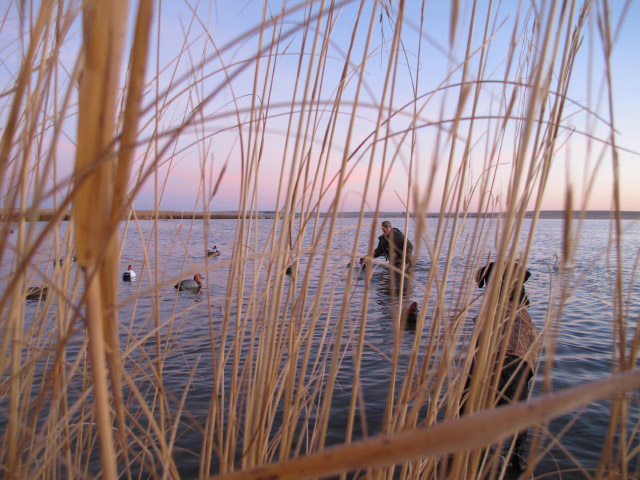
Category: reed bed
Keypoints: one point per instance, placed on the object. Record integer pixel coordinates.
(338, 99)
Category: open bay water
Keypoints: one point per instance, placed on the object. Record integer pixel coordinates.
(584, 347)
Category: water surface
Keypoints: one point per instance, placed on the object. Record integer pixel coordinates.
(584, 347)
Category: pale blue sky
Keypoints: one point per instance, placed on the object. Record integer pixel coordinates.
(223, 21)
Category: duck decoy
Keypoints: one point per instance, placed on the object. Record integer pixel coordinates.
(410, 314)
(361, 265)
(194, 284)
(128, 274)
(61, 261)
(213, 253)
(35, 293)
(565, 264)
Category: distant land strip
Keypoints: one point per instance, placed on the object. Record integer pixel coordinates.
(47, 214)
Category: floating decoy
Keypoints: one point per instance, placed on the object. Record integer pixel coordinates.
(568, 265)
(61, 261)
(35, 293)
(128, 274)
(190, 284)
(362, 264)
(214, 252)
(410, 314)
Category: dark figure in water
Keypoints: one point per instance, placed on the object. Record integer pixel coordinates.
(409, 316)
(521, 352)
(482, 279)
(391, 246)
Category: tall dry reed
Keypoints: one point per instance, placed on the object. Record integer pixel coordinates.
(83, 389)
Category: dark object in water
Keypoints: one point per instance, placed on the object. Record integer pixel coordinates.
(362, 262)
(61, 261)
(289, 270)
(410, 314)
(35, 293)
(520, 356)
(484, 273)
(194, 284)
(212, 253)
(518, 462)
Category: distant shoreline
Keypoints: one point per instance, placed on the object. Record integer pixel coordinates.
(47, 214)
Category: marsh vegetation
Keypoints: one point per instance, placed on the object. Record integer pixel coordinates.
(318, 108)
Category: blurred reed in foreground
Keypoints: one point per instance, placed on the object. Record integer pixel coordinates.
(352, 111)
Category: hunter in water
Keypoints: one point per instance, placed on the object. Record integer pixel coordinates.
(520, 352)
(391, 246)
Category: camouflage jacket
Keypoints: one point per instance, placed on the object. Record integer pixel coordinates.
(391, 246)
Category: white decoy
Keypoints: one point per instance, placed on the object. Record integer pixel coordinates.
(566, 265)
(128, 274)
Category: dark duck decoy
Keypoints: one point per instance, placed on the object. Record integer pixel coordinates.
(35, 293)
(410, 315)
(362, 264)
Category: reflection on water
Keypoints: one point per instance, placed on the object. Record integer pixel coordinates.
(584, 348)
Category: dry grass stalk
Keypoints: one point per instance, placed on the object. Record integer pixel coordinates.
(279, 345)
(104, 33)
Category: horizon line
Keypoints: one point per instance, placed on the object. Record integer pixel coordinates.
(48, 214)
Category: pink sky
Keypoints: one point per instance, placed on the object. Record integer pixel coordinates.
(574, 161)
(575, 157)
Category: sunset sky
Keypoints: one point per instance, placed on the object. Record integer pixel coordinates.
(220, 23)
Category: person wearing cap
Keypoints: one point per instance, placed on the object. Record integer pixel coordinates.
(521, 348)
(391, 246)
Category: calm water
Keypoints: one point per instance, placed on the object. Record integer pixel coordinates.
(584, 347)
